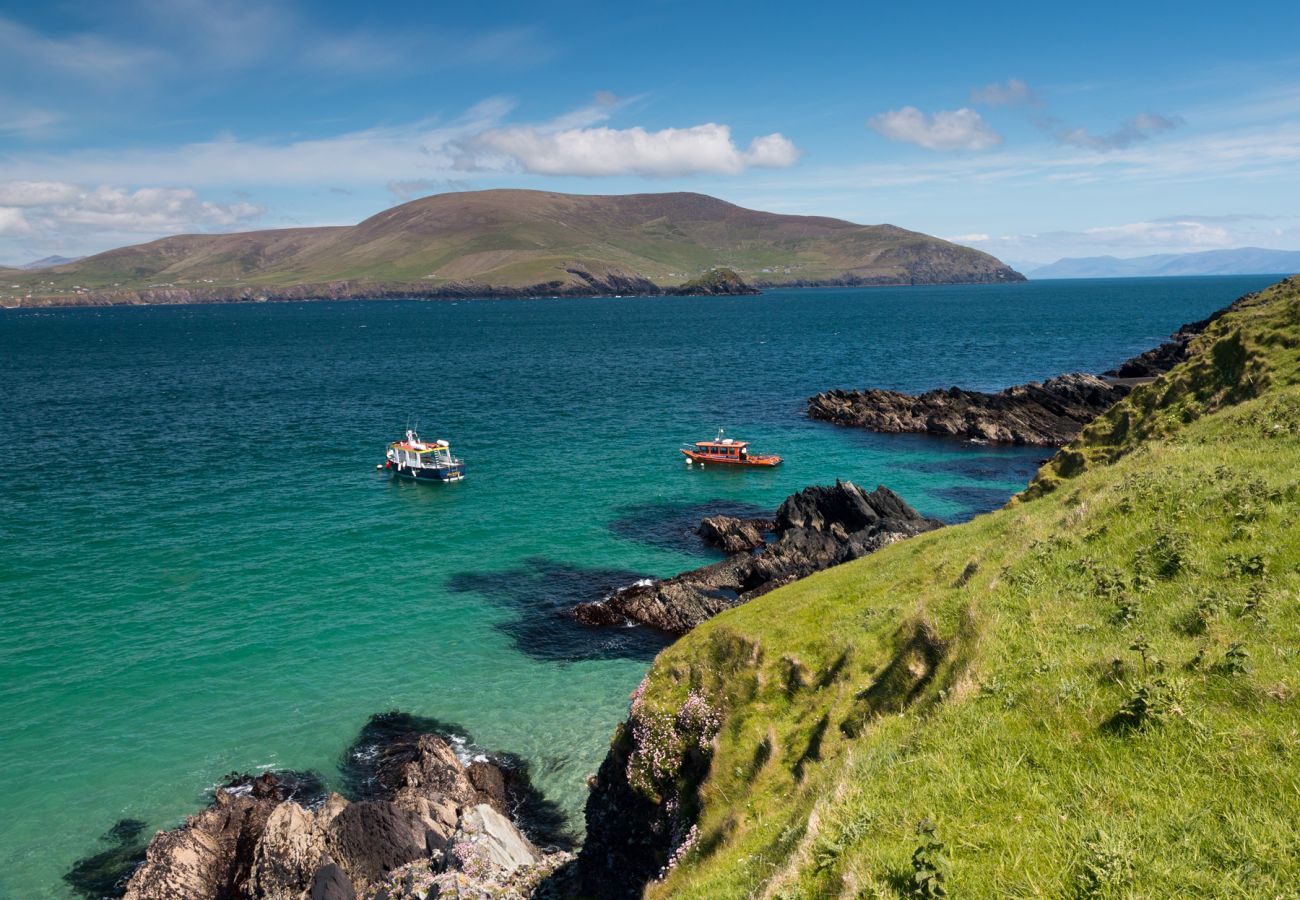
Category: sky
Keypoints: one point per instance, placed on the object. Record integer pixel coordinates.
(1033, 131)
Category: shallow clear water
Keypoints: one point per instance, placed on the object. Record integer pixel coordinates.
(201, 571)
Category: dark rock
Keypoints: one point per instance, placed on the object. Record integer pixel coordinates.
(1049, 414)
(629, 837)
(490, 782)
(331, 883)
(540, 593)
(371, 838)
(814, 529)
(305, 787)
(733, 535)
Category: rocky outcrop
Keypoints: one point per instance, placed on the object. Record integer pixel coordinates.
(1049, 414)
(732, 535)
(814, 529)
(211, 855)
(419, 807)
(717, 282)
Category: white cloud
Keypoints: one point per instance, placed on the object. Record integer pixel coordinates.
(37, 193)
(631, 151)
(1011, 92)
(1182, 233)
(960, 129)
(12, 221)
(58, 208)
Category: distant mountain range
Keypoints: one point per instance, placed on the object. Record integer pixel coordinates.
(49, 262)
(512, 243)
(1243, 261)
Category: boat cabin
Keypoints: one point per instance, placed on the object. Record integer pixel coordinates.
(726, 448)
(416, 454)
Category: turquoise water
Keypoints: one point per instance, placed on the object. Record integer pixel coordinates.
(201, 570)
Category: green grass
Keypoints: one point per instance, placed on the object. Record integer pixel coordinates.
(1091, 692)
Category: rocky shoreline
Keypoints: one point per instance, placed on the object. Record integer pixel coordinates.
(420, 822)
(591, 286)
(1046, 414)
(813, 529)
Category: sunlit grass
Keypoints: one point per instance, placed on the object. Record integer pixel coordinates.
(1088, 693)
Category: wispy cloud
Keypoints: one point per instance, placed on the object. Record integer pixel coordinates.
(234, 34)
(1015, 92)
(411, 188)
(368, 156)
(1012, 92)
(959, 129)
(1172, 234)
(1129, 132)
(87, 56)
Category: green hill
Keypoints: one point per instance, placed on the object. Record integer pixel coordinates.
(512, 241)
(1091, 692)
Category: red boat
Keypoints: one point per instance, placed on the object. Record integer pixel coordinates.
(727, 452)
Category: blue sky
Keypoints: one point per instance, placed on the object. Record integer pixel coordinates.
(1033, 131)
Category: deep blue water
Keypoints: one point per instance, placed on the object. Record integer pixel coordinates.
(201, 570)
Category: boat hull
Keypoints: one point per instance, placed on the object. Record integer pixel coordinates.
(425, 473)
(705, 459)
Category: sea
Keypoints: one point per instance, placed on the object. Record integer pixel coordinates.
(202, 571)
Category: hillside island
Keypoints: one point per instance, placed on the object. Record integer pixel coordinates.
(512, 243)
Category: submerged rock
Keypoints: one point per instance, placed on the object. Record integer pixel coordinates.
(106, 873)
(814, 529)
(1049, 414)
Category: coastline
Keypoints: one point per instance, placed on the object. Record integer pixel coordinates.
(286, 749)
(343, 291)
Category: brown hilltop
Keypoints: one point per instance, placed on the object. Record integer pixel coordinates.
(516, 242)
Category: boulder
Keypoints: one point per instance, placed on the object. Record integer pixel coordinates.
(733, 535)
(496, 840)
(289, 852)
(371, 838)
(815, 528)
(330, 882)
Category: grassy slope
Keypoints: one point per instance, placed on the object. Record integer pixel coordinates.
(515, 238)
(982, 667)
